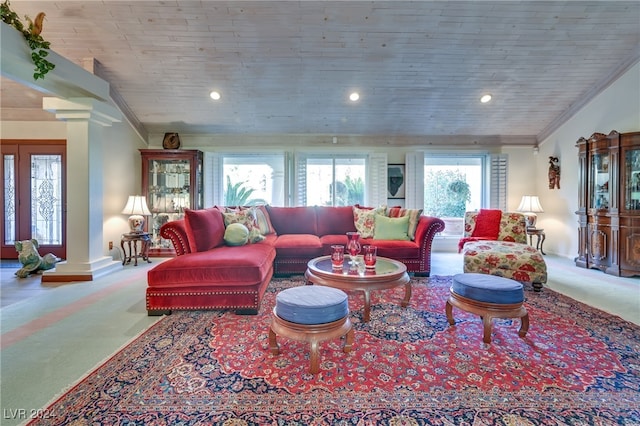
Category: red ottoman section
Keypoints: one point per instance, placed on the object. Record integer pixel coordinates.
(225, 278)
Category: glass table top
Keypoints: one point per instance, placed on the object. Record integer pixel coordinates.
(384, 266)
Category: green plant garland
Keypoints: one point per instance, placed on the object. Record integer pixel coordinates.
(39, 47)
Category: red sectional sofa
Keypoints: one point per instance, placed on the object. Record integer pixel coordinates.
(207, 274)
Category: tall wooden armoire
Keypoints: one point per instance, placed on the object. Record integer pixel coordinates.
(609, 203)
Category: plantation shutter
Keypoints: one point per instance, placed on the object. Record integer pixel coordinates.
(498, 182)
(300, 187)
(414, 180)
(376, 185)
(213, 190)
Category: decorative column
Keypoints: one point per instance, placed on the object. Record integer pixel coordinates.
(86, 119)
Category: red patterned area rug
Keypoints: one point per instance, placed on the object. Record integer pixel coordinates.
(576, 366)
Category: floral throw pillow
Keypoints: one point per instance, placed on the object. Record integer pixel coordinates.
(246, 218)
(364, 220)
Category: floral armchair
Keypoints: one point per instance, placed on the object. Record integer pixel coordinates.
(507, 255)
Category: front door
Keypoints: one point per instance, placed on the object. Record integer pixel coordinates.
(33, 196)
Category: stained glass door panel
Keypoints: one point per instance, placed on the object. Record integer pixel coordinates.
(33, 198)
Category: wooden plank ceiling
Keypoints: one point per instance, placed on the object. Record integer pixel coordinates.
(287, 67)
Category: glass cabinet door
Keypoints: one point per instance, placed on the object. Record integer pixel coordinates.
(169, 186)
(631, 180)
(168, 195)
(599, 181)
(172, 183)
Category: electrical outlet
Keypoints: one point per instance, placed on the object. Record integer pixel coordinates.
(110, 245)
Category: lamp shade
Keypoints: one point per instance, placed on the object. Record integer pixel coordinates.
(530, 205)
(137, 208)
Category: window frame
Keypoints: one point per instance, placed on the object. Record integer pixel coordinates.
(301, 167)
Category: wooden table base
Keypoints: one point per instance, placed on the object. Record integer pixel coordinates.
(312, 333)
(488, 311)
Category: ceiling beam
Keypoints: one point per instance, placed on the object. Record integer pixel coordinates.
(66, 80)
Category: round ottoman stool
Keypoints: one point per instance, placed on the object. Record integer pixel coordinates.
(311, 314)
(490, 297)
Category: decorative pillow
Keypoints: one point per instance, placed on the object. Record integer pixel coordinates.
(414, 217)
(246, 218)
(236, 234)
(487, 224)
(293, 220)
(391, 228)
(364, 219)
(261, 216)
(205, 228)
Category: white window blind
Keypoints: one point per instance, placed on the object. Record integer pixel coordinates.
(300, 189)
(498, 181)
(376, 188)
(213, 186)
(414, 180)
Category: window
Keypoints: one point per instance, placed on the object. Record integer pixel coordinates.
(252, 179)
(330, 180)
(453, 185)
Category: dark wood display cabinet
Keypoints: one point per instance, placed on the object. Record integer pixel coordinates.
(609, 203)
(171, 182)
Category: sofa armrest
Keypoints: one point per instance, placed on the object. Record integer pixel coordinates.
(176, 232)
(428, 227)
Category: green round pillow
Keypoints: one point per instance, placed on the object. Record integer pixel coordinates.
(236, 234)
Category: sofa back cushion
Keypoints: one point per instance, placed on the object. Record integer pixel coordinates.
(334, 220)
(293, 220)
(205, 228)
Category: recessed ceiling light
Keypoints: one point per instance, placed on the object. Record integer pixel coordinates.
(485, 98)
(214, 95)
(354, 96)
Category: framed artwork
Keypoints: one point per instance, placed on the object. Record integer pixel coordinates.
(395, 181)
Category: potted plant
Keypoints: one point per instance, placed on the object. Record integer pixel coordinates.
(459, 194)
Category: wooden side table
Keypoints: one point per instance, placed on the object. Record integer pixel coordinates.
(145, 242)
(541, 237)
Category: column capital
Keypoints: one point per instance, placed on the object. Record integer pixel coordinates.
(82, 109)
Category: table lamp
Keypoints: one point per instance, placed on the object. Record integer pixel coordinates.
(137, 208)
(530, 205)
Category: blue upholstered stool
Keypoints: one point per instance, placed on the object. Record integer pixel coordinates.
(311, 314)
(312, 304)
(490, 297)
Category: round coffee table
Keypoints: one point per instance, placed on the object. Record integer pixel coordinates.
(387, 274)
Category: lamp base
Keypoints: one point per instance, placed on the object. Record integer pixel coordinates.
(530, 220)
(136, 224)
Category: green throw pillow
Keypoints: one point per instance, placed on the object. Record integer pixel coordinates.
(236, 234)
(391, 228)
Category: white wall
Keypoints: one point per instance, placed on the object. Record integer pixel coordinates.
(33, 130)
(616, 108)
(122, 167)
(123, 177)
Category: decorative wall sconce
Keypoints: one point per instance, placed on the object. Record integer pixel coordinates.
(554, 173)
